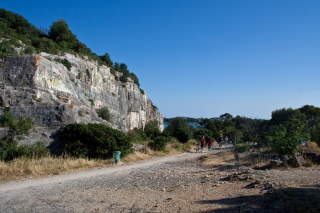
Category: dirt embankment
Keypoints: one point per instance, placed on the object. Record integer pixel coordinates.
(188, 182)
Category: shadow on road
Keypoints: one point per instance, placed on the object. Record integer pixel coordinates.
(287, 200)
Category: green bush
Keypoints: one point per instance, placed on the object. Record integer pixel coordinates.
(92, 102)
(104, 113)
(152, 129)
(18, 127)
(158, 144)
(65, 62)
(242, 147)
(137, 135)
(10, 151)
(5, 148)
(95, 141)
(178, 128)
(285, 141)
(199, 132)
(36, 150)
(29, 50)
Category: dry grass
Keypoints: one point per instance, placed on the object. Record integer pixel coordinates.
(222, 158)
(215, 144)
(311, 147)
(145, 154)
(23, 168)
(172, 148)
(261, 164)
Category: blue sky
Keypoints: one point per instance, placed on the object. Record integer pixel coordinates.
(201, 58)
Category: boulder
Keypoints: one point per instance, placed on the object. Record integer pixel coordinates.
(296, 161)
(242, 156)
(270, 156)
(318, 159)
(138, 147)
(275, 163)
(284, 159)
(311, 155)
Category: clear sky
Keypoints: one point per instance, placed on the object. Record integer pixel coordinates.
(201, 58)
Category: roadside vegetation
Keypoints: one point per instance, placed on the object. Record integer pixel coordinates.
(283, 134)
(84, 146)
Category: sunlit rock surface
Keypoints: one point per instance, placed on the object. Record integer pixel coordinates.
(37, 86)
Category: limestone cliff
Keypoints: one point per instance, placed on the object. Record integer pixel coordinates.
(37, 86)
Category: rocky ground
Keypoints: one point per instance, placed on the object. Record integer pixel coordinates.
(177, 183)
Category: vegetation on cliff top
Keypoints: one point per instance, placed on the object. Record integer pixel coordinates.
(16, 31)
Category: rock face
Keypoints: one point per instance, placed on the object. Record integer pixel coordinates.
(40, 87)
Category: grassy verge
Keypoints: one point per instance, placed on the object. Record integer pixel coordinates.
(25, 168)
(172, 148)
(222, 158)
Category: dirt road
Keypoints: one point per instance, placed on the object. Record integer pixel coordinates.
(168, 184)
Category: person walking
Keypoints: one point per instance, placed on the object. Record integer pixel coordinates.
(203, 142)
(234, 139)
(226, 139)
(209, 142)
(220, 141)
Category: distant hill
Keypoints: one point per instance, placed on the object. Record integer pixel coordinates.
(192, 120)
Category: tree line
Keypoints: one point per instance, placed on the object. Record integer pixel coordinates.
(284, 132)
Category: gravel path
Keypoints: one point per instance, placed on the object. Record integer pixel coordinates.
(167, 184)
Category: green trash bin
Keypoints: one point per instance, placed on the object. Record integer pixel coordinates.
(116, 156)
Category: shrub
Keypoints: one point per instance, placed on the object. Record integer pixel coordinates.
(80, 113)
(10, 151)
(5, 148)
(17, 126)
(312, 146)
(242, 147)
(36, 99)
(92, 102)
(177, 145)
(36, 150)
(94, 141)
(152, 129)
(309, 163)
(29, 50)
(65, 62)
(104, 113)
(178, 128)
(158, 144)
(137, 135)
(285, 141)
(199, 132)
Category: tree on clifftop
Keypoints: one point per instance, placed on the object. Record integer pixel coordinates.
(60, 33)
(106, 58)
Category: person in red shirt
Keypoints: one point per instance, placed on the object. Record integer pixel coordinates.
(210, 142)
(203, 142)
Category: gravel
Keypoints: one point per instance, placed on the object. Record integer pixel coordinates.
(168, 184)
